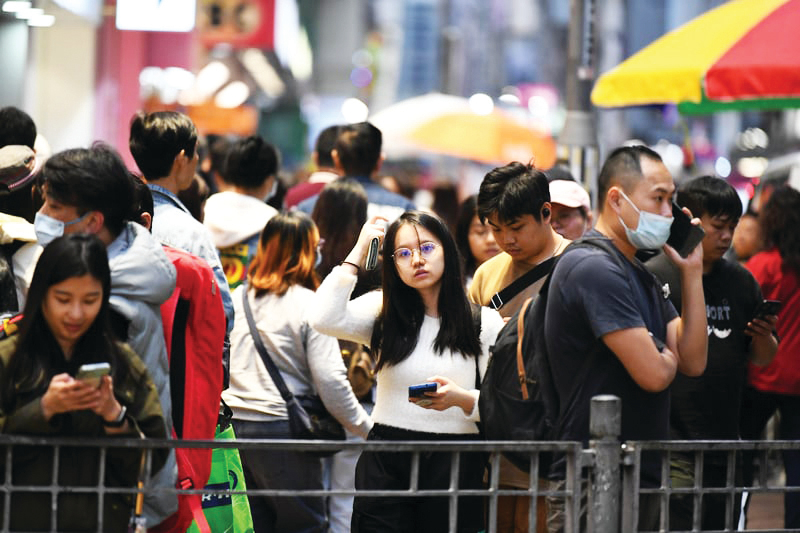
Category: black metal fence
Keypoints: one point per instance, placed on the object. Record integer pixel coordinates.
(601, 492)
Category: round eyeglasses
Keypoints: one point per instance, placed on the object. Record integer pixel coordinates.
(403, 256)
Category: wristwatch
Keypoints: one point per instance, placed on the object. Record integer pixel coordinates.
(117, 422)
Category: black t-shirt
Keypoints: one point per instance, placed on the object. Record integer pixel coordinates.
(590, 296)
(707, 406)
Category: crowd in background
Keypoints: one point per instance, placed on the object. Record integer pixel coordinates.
(93, 252)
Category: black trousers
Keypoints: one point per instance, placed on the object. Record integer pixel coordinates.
(392, 471)
(281, 469)
(715, 474)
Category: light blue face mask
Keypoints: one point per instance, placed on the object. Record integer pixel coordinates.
(49, 229)
(652, 231)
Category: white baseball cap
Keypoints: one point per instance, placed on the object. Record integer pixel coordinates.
(569, 193)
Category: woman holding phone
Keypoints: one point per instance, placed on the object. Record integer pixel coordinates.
(776, 386)
(422, 329)
(65, 326)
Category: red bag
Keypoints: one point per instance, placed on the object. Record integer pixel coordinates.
(194, 329)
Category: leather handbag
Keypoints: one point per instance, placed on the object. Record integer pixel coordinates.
(308, 417)
(360, 367)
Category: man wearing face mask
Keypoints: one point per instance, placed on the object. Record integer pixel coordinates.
(612, 330)
(89, 190)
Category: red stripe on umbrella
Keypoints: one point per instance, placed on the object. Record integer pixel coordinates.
(763, 63)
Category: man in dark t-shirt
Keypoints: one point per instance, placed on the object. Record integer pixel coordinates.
(618, 321)
(707, 407)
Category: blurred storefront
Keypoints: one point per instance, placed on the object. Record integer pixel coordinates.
(288, 68)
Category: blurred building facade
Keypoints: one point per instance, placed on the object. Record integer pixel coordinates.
(80, 78)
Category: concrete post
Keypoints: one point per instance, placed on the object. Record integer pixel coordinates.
(605, 425)
(579, 136)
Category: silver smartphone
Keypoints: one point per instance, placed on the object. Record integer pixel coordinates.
(92, 373)
(372, 254)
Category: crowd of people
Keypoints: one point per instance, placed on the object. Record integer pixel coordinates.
(92, 268)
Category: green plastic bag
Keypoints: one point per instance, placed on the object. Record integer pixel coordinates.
(226, 514)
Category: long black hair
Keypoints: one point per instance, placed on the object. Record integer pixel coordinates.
(339, 213)
(38, 355)
(396, 330)
(467, 212)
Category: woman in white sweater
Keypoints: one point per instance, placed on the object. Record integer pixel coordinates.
(423, 329)
(280, 290)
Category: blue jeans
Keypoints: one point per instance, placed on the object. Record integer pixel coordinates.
(279, 469)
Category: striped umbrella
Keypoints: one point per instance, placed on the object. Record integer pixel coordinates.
(742, 55)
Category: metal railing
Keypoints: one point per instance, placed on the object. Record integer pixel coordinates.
(601, 492)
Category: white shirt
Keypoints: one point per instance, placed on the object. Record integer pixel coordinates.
(334, 314)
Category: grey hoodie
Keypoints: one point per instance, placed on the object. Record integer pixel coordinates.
(142, 278)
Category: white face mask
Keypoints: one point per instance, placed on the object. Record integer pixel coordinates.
(49, 229)
(652, 231)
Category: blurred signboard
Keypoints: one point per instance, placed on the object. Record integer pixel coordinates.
(156, 15)
(208, 118)
(239, 23)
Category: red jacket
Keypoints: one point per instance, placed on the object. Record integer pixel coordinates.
(777, 282)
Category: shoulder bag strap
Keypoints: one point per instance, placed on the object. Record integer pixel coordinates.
(519, 284)
(274, 373)
(520, 361)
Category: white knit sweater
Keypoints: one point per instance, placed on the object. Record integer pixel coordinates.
(333, 313)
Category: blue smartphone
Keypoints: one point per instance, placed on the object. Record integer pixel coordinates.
(418, 391)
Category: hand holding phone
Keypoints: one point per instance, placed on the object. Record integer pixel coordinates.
(767, 308)
(93, 373)
(418, 391)
(683, 235)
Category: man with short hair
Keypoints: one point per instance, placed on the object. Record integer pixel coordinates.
(16, 127)
(572, 211)
(325, 169)
(91, 191)
(515, 201)
(357, 154)
(235, 217)
(163, 144)
(609, 327)
(707, 407)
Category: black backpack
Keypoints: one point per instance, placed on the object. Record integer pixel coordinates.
(518, 399)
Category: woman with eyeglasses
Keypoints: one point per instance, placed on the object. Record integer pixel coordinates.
(422, 329)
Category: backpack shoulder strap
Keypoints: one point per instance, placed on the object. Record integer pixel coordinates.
(605, 245)
(519, 284)
(520, 361)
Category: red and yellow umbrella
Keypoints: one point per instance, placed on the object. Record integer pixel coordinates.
(744, 54)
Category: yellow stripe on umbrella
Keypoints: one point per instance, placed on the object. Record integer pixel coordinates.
(671, 69)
